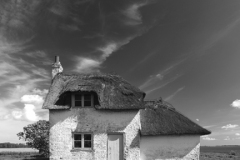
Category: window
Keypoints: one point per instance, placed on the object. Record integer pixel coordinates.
(82, 140)
(82, 99)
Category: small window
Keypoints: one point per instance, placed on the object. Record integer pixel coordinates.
(82, 140)
(82, 99)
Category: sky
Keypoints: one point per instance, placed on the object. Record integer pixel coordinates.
(186, 52)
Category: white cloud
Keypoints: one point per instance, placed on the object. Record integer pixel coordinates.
(109, 49)
(16, 114)
(227, 138)
(197, 120)
(39, 92)
(29, 99)
(230, 126)
(236, 103)
(237, 134)
(29, 112)
(207, 138)
(86, 65)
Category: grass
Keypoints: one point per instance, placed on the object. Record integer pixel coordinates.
(220, 153)
(21, 156)
(206, 153)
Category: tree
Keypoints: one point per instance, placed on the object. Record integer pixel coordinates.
(37, 136)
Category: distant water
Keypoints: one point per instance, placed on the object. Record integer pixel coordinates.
(18, 150)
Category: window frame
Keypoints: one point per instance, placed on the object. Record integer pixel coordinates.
(82, 140)
(73, 101)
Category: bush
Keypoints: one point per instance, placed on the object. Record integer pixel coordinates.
(232, 153)
(37, 136)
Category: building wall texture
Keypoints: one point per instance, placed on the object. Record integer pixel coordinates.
(64, 122)
(185, 147)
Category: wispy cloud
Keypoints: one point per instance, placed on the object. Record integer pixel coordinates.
(174, 94)
(236, 103)
(86, 65)
(148, 91)
(237, 134)
(210, 126)
(133, 15)
(227, 138)
(159, 76)
(207, 138)
(230, 126)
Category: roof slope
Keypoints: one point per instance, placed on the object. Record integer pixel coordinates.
(162, 119)
(113, 91)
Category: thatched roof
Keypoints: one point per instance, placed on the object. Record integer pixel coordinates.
(112, 90)
(160, 118)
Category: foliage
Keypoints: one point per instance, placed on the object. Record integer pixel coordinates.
(37, 136)
(232, 153)
(13, 145)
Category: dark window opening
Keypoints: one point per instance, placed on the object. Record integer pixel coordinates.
(82, 140)
(85, 99)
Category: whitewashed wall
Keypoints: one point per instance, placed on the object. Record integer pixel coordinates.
(170, 147)
(99, 122)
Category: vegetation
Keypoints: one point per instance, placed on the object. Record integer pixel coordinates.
(21, 156)
(37, 136)
(220, 153)
(13, 145)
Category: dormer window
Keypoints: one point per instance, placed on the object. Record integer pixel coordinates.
(83, 99)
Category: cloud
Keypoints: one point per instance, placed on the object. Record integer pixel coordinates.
(158, 80)
(227, 138)
(174, 94)
(29, 112)
(133, 14)
(236, 103)
(237, 134)
(29, 99)
(210, 126)
(109, 49)
(154, 88)
(16, 114)
(207, 138)
(197, 120)
(153, 79)
(39, 92)
(86, 65)
(230, 126)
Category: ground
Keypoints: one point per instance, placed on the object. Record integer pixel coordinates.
(220, 153)
(207, 153)
(21, 156)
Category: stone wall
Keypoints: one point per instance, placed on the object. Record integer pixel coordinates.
(64, 122)
(185, 147)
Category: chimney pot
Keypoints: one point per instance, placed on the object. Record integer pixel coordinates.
(56, 59)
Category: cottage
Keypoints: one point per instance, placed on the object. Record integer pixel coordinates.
(103, 117)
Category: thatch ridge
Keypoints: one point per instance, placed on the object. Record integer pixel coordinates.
(163, 119)
(114, 92)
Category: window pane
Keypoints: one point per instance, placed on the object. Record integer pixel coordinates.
(78, 103)
(87, 136)
(87, 103)
(87, 144)
(77, 137)
(77, 144)
(87, 97)
(78, 96)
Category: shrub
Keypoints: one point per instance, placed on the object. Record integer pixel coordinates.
(232, 153)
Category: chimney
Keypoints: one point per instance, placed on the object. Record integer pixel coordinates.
(56, 67)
